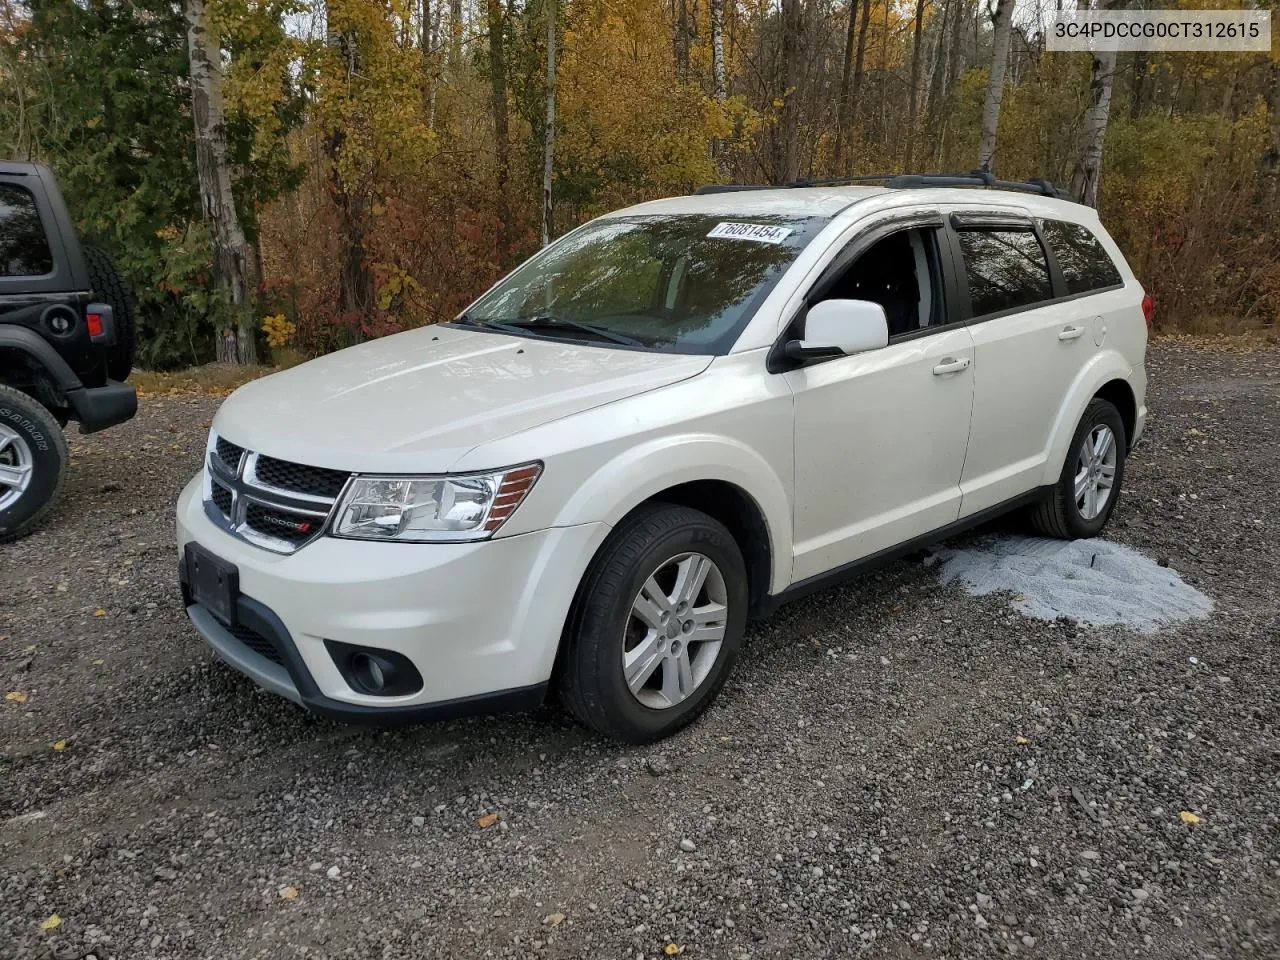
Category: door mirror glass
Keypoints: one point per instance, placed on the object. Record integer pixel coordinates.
(849, 326)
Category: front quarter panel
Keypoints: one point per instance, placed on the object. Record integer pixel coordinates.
(732, 423)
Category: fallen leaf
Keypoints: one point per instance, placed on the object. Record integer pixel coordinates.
(672, 950)
(60, 745)
(98, 663)
(554, 919)
(52, 923)
(1189, 817)
(1022, 741)
(1019, 598)
(99, 612)
(487, 821)
(289, 893)
(16, 696)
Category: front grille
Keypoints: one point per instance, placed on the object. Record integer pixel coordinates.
(256, 642)
(282, 524)
(222, 498)
(228, 453)
(274, 504)
(300, 478)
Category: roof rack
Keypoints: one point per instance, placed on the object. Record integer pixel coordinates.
(910, 181)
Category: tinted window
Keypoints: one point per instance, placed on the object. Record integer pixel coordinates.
(1006, 269)
(24, 252)
(1083, 262)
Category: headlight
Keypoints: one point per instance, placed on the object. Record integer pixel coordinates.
(425, 509)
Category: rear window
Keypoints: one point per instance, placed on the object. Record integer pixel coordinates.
(1007, 269)
(24, 251)
(1084, 263)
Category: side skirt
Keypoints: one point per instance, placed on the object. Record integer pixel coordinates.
(848, 571)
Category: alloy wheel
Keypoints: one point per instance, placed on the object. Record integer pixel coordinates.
(675, 630)
(1095, 471)
(15, 466)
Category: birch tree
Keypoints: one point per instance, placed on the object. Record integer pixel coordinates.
(1088, 171)
(549, 139)
(1003, 22)
(214, 175)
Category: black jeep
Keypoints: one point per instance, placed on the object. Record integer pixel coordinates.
(66, 342)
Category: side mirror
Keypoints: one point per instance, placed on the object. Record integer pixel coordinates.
(835, 328)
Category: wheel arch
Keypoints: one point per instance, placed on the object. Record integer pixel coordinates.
(1107, 376)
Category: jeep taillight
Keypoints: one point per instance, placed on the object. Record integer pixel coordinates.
(1148, 308)
(94, 322)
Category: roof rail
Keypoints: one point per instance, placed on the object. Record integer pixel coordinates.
(912, 181)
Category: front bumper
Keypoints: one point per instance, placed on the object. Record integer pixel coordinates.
(481, 622)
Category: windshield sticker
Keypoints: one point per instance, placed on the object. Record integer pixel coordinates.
(758, 232)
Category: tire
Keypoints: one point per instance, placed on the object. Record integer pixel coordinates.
(659, 543)
(1064, 514)
(30, 438)
(111, 288)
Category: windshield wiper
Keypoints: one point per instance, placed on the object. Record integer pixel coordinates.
(547, 322)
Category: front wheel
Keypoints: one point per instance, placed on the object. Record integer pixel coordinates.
(657, 624)
(1089, 486)
(33, 458)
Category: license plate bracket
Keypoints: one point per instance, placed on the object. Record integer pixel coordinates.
(214, 583)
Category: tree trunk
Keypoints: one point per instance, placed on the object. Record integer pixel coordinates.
(1137, 99)
(231, 252)
(1003, 21)
(846, 77)
(683, 39)
(425, 50)
(502, 145)
(1084, 182)
(455, 36)
(549, 139)
(719, 77)
(858, 63)
(784, 143)
(913, 94)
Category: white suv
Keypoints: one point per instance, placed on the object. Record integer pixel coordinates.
(670, 420)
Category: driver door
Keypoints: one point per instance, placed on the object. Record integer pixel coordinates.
(881, 436)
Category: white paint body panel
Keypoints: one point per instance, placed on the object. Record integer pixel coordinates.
(843, 459)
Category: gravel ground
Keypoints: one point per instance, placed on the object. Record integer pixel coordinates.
(897, 769)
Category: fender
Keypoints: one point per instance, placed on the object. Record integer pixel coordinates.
(1101, 369)
(33, 345)
(645, 470)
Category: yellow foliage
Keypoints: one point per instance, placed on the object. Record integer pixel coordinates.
(279, 330)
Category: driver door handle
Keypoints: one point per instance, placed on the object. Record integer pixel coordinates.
(1071, 333)
(951, 365)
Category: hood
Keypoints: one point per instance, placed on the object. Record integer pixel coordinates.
(417, 401)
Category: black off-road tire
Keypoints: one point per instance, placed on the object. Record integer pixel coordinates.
(111, 288)
(48, 451)
(591, 681)
(1058, 515)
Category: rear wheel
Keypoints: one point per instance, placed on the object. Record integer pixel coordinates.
(33, 458)
(110, 287)
(1089, 485)
(657, 624)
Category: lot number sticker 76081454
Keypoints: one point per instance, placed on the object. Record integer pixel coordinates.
(759, 232)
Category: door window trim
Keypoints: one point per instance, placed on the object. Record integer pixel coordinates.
(61, 278)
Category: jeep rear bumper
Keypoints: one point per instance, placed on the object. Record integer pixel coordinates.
(100, 407)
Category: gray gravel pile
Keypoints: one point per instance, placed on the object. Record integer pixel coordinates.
(897, 768)
(1093, 582)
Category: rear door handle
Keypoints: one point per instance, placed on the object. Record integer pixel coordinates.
(1071, 333)
(951, 365)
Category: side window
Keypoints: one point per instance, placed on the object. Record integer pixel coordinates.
(1006, 268)
(1084, 263)
(901, 272)
(24, 251)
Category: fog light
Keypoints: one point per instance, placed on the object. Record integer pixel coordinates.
(371, 673)
(381, 673)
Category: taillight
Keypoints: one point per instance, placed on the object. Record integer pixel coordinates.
(1148, 308)
(94, 322)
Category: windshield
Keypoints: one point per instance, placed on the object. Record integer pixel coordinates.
(676, 283)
